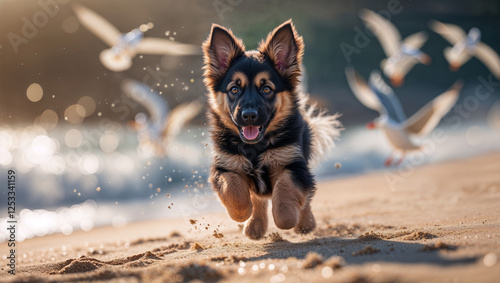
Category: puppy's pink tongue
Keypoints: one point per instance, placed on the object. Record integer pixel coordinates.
(250, 132)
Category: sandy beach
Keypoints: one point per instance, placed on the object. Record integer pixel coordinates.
(436, 223)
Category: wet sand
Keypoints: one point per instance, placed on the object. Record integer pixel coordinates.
(436, 223)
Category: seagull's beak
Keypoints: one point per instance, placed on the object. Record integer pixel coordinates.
(454, 66)
(426, 59)
(133, 125)
(397, 80)
(371, 125)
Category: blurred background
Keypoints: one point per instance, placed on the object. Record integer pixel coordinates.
(65, 123)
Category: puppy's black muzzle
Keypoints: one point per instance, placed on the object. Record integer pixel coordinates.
(249, 116)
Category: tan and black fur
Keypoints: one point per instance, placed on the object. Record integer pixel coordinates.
(259, 90)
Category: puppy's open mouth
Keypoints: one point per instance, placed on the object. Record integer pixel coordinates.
(252, 134)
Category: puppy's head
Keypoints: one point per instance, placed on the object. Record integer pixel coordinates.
(252, 91)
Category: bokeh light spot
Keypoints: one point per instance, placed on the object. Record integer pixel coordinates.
(87, 224)
(6, 140)
(66, 229)
(44, 146)
(74, 114)
(90, 165)
(88, 104)
(70, 24)
(5, 157)
(474, 135)
(34, 92)
(47, 120)
(109, 142)
(490, 259)
(73, 138)
(143, 27)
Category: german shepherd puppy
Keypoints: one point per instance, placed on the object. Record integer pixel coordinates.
(264, 134)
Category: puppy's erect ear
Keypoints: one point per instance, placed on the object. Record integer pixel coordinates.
(220, 49)
(284, 47)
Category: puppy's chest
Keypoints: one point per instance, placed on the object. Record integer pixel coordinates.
(263, 168)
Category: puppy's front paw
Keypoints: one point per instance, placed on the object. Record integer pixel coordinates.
(239, 210)
(285, 215)
(235, 195)
(255, 228)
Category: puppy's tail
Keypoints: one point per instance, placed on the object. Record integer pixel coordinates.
(325, 130)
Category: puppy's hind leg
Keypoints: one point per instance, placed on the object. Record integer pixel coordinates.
(256, 226)
(234, 193)
(306, 222)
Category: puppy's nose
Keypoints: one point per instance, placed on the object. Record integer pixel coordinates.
(249, 115)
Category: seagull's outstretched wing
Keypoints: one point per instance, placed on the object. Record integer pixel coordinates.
(452, 33)
(387, 98)
(386, 32)
(416, 40)
(489, 57)
(427, 118)
(97, 24)
(155, 104)
(161, 46)
(362, 90)
(179, 117)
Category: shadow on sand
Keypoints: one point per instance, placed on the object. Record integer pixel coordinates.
(388, 251)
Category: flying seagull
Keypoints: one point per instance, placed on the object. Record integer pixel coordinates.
(398, 129)
(402, 55)
(157, 129)
(123, 47)
(466, 45)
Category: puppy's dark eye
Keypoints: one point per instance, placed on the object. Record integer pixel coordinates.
(234, 90)
(266, 90)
